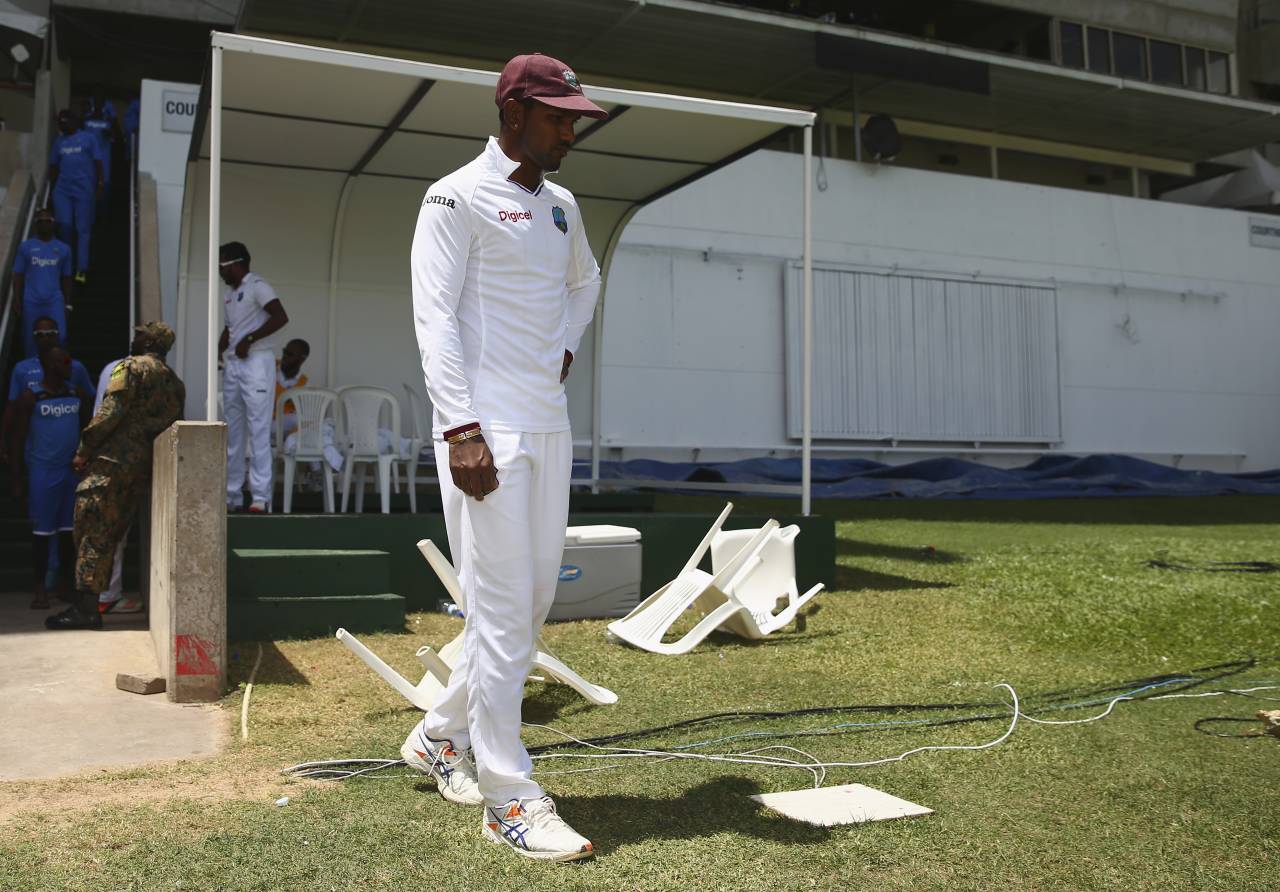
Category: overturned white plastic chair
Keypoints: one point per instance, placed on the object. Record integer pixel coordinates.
(768, 592)
(312, 405)
(421, 695)
(363, 409)
(712, 594)
(545, 664)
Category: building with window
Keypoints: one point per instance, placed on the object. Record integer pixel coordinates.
(996, 275)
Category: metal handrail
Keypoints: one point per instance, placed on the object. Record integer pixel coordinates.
(6, 311)
(133, 235)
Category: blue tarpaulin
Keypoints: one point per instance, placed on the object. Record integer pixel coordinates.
(1056, 476)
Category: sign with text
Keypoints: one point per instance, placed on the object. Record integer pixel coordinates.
(179, 111)
(1264, 232)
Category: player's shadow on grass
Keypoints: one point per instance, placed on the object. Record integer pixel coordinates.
(708, 809)
(544, 703)
(923, 554)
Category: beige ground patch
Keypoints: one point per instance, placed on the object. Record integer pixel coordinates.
(205, 783)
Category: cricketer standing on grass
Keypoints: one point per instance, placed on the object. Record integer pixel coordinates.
(504, 286)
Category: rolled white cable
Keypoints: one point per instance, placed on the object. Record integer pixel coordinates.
(248, 692)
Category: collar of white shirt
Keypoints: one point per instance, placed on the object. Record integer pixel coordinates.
(503, 165)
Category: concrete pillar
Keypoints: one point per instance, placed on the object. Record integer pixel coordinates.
(188, 606)
(149, 299)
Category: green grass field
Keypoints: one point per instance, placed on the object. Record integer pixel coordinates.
(937, 602)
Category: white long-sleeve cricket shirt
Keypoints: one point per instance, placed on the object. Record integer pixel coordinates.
(503, 283)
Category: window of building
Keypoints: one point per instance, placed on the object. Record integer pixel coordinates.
(1130, 52)
(1137, 57)
(1166, 63)
(1219, 77)
(1100, 50)
(1195, 69)
(1071, 44)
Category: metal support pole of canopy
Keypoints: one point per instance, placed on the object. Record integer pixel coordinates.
(213, 331)
(806, 356)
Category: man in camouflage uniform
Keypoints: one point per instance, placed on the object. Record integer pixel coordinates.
(143, 398)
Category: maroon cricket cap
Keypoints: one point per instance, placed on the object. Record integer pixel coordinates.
(549, 81)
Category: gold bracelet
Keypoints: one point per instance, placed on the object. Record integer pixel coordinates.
(465, 435)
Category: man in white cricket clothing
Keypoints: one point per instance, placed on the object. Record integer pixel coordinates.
(504, 286)
(253, 314)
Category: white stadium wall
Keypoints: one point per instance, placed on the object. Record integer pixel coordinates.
(1165, 313)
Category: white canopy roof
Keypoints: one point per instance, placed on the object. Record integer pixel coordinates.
(296, 106)
(304, 108)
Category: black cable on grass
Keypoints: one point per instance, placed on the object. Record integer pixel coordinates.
(1183, 682)
(1157, 685)
(1215, 566)
(1200, 726)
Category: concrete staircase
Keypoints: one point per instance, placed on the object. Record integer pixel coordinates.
(98, 332)
(275, 593)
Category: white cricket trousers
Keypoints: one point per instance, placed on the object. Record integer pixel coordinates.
(507, 551)
(248, 389)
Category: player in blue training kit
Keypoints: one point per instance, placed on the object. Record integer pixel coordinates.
(100, 120)
(28, 373)
(76, 171)
(44, 440)
(42, 279)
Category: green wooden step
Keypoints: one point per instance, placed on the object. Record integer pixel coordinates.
(306, 572)
(275, 618)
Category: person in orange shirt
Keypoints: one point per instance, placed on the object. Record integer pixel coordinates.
(289, 375)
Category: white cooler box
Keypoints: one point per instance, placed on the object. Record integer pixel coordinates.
(599, 573)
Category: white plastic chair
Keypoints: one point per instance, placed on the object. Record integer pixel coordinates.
(543, 660)
(312, 405)
(713, 594)
(363, 409)
(421, 695)
(418, 435)
(771, 582)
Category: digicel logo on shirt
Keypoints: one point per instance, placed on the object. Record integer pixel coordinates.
(59, 410)
(514, 216)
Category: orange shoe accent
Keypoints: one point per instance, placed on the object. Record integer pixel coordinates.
(588, 848)
(514, 811)
(493, 825)
(420, 754)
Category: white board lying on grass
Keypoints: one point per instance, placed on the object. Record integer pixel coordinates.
(847, 804)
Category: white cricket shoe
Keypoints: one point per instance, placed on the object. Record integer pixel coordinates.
(455, 772)
(533, 829)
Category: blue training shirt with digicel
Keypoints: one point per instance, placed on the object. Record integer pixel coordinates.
(44, 264)
(74, 157)
(54, 433)
(28, 373)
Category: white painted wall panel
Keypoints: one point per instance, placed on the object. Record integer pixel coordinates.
(926, 359)
(1193, 372)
